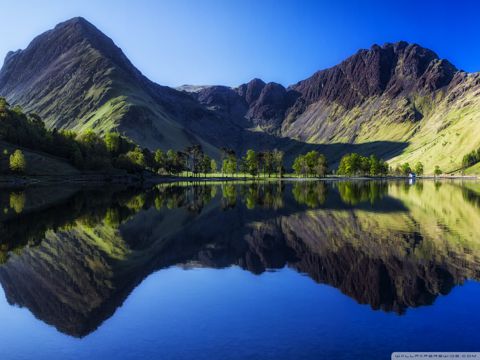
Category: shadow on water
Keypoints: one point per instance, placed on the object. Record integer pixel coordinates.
(391, 245)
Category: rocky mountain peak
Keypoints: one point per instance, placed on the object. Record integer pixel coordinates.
(392, 69)
(250, 91)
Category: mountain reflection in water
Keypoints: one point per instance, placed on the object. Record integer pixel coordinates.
(72, 256)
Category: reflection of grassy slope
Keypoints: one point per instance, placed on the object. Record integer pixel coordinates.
(443, 214)
(439, 225)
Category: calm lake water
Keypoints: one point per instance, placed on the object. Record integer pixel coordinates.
(299, 270)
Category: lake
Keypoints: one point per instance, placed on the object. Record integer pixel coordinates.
(269, 270)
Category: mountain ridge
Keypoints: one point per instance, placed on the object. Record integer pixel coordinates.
(76, 78)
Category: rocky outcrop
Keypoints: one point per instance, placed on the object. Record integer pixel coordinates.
(391, 69)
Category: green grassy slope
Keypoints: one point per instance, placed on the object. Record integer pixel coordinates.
(448, 129)
(39, 163)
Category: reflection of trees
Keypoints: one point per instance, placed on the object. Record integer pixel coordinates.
(471, 196)
(267, 195)
(86, 207)
(356, 192)
(17, 201)
(229, 196)
(311, 194)
(193, 198)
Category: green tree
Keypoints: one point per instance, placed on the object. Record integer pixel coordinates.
(251, 162)
(375, 166)
(300, 165)
(18, 163)
(405, 168)
(112, 142)
(229, 165)
(311, 161)
(4, 105)
(277, 156)
(17, 201)
(205, 164)
(321, 166)
(160, 159)
(269, 162)
(437, 171)
(213, 166)
(419, 168)
(136, 157)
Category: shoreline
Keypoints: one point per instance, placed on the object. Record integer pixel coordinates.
(151, 179)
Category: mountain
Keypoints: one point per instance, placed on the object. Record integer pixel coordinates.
(400, 101)
(76, 78)
(400, 93)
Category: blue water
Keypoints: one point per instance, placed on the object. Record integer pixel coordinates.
(304, 270)
(233, 314)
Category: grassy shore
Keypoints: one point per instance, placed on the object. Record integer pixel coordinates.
(150, 178)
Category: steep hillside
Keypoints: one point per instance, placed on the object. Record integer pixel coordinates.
(399, 93)
(76, 78)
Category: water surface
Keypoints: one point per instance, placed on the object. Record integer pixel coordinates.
(274, 270)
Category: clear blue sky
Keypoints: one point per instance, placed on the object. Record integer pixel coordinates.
(231, 41)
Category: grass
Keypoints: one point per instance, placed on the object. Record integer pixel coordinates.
(39, 163)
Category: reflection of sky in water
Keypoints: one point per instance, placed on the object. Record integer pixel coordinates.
(232, 314)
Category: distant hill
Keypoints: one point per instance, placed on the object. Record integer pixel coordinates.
(400, 101)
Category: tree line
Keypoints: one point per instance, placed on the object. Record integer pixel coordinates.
(471, 158)
(355, 164)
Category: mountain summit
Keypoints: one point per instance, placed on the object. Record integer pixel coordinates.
(75, 77)
(398, 100)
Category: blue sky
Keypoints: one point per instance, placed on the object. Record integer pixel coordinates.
(229, 42)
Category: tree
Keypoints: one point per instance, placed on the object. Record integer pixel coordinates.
(321, 166)
(213, 166)
(4, 105)
(419, 168)
(194, 155)
(269, 162)
(205, 164)
(311, 161)
(229, 165)
(160, 159)
(300, 165)
(17, 201)
(112, 142)
(137, 157)
(405, 168)
(277, 156)
(375, 166)
(174, 162)
(437, 171)
(18, 163)
(250, 162)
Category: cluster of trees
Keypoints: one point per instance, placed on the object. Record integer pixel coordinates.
(193, 161)
(356, 164)
(405, 169)
(253, 163)
(310, 164)
(471, 158)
